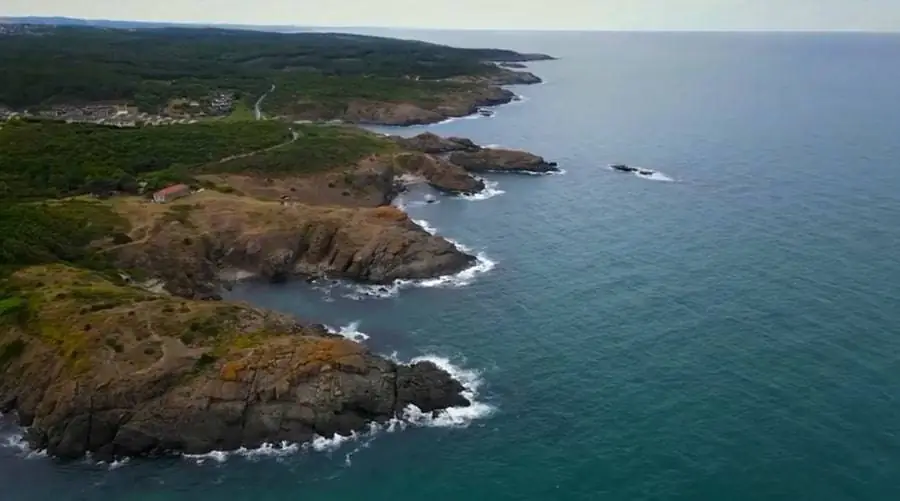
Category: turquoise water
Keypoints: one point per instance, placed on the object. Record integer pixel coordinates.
(730, 334)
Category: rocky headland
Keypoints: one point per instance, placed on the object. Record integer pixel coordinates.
(460, 96)
(186, 245)
(92, 366)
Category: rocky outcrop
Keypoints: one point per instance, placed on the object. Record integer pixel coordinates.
(439, 174)
(187, 246)
(115, 371)
(434, 144)
(500, 160)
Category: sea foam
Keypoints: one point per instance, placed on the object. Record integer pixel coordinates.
(655, 176)
(350, 331)
(16, 440)
(483, 264)
(490, 191)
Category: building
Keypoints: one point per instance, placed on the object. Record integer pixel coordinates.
(171, 193)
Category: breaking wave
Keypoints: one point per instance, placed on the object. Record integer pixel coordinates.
(490, 191)
(412, 416)
(350, 331)
(650, 174)
(15, 439)
(453, 417)
(431, 230)
(655, 176)
(483, 264)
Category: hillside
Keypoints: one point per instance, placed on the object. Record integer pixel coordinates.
(149, 67)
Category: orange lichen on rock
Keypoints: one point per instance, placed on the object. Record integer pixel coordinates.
(231, 370)
(323, 354)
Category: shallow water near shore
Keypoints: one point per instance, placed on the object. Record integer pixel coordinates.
(732, 333)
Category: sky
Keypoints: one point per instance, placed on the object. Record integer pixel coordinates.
(867, 15)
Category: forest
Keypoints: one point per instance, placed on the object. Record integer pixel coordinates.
(44, 159)
(149, 66)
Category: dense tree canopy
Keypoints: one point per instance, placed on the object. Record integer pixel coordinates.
(49, 159)
(149, 66)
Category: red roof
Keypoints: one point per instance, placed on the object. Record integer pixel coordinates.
(175, 188)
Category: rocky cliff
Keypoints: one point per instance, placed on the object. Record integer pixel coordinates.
(188, 243)
(92, 366)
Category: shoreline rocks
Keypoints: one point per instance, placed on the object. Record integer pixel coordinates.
(153, 374)
(501, 160)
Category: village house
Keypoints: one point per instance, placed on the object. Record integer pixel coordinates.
(171, 193)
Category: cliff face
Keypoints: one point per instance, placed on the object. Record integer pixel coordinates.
(116, 371)
(188, 243)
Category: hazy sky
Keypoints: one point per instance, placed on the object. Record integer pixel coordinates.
(880, 15)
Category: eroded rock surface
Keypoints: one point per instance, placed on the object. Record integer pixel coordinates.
(117, 371)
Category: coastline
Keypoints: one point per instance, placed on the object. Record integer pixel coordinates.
(63, 441)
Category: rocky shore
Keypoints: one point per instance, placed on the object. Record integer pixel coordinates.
(110, 370)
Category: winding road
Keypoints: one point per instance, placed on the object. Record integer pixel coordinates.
(256, 110)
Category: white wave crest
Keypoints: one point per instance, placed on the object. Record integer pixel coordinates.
(490, 191)
(426, 226)
(483, 264)
(350, 331)
(453, 417)
(650, 174)
(115, 465)
(655, 176)
(264, 451)
(17, 442)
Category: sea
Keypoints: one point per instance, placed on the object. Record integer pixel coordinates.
(725, 328)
